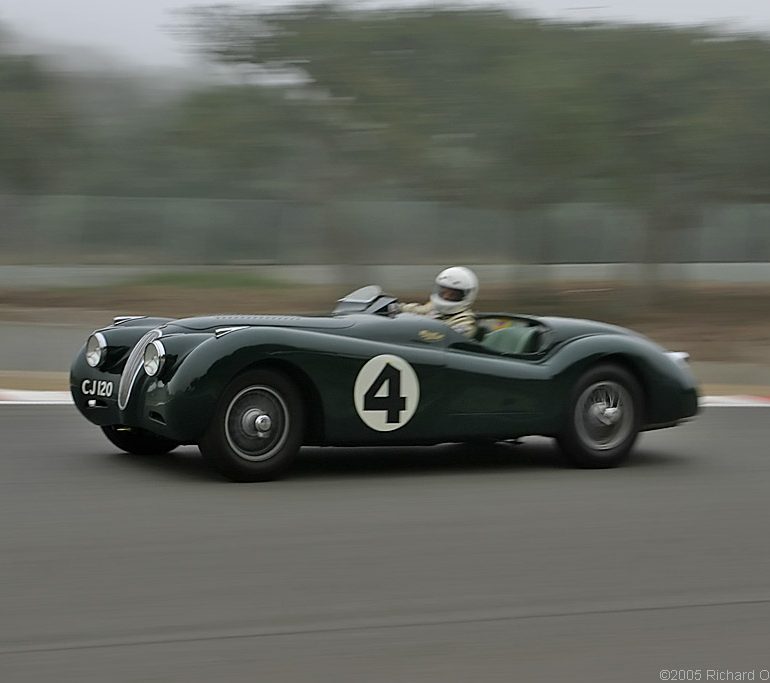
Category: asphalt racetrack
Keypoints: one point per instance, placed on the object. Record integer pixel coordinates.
(449, 563)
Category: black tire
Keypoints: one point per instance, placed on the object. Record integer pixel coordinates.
(592, 435)
(257, 427)
(137, 441)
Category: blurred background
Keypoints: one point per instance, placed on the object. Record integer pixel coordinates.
(605, 161)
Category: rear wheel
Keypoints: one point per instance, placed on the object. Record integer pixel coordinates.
(603, 419)
(257, 427)
(137, 441)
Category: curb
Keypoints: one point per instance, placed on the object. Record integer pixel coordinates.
(734, 401)
(40, 398)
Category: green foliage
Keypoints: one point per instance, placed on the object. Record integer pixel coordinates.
(37, 132)
(489, 108)
(474, 106)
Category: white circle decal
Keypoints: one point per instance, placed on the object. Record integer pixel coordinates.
(386, 393)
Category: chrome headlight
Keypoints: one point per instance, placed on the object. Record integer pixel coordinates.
(154, 355)
(96, 349)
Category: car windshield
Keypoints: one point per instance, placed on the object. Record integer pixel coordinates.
(364, 295)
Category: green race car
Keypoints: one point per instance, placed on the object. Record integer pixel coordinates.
(249, 390)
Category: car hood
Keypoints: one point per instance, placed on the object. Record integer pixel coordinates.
(212, 322)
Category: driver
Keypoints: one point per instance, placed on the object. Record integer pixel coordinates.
(454, 292)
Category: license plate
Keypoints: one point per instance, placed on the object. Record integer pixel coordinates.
(97, 387)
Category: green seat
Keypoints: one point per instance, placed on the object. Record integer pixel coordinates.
(516, 339)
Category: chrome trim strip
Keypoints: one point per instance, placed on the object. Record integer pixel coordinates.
(134, 365)
(120, 319)
(222, 331)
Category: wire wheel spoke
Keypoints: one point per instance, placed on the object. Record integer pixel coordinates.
(604, 415)
(257, 423)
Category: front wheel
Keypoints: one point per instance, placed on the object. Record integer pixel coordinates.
(603, 418)
(137, 441)
(257, 427)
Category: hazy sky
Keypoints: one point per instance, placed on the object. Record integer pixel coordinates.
(134, 29)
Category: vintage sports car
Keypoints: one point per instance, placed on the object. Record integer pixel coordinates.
(249, 390)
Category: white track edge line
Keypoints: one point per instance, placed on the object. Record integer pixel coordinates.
(15, 399)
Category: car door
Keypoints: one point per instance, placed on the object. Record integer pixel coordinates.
(490, 394)
(380, 393)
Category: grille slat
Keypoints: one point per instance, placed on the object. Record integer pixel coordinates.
(133, 366)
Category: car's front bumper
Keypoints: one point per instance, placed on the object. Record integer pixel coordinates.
(95, 394)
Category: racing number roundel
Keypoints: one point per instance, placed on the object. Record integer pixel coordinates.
(386, 393)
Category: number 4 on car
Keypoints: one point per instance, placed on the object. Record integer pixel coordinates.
(386, 393)
(249, 391)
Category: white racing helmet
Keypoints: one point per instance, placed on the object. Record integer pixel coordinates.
(455, 290)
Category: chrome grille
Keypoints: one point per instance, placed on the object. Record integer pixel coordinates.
(133, 366)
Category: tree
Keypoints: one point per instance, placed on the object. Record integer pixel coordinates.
(37, 131)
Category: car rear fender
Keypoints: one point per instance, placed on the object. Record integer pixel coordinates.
(669, 390)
